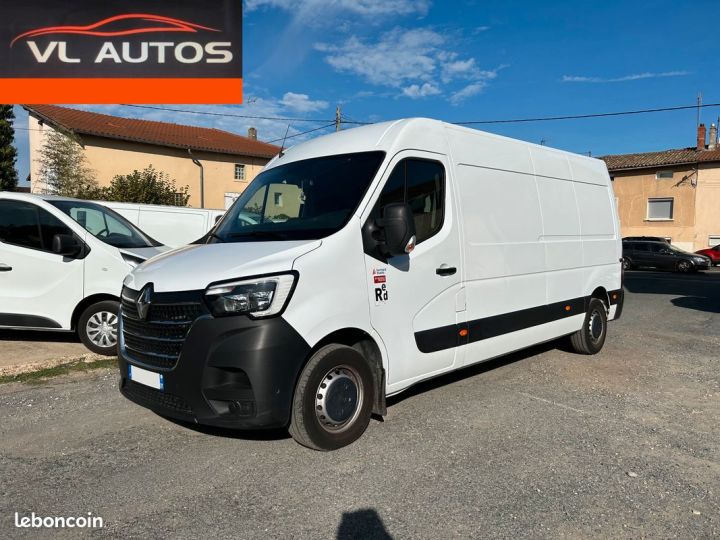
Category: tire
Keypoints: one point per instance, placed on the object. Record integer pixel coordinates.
(627, 264)
(684, 266)
(591, 337)
(333, 399)
(98, 326)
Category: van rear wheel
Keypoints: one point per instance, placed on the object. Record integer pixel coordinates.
(591, 337)
(333, 399)
(97, 327)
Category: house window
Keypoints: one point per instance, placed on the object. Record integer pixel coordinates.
(179, 199)
(713, 240)
(239, 172)
(663, 175)
(277, 198)
(660, 209)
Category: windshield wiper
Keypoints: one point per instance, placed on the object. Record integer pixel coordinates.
(258, 234)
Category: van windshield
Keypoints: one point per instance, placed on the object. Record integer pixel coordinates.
(306, 199)
(105, 224)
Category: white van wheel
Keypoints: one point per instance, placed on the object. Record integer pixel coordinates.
(333, 399)
(98, 327)
(591, 337)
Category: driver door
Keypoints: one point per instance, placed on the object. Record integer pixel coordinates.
(38, 288)
(414, 296)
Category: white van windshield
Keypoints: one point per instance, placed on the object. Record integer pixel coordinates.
(105, 224)
(306, 199)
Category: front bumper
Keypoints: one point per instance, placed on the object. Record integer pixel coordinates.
(232, 372)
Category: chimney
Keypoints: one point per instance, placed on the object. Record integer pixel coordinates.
(712, 143)
(252, 133)
(701, 137)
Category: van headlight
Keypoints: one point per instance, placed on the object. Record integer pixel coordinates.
(258, 297)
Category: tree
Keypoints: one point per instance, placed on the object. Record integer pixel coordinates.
(64, 170)
(8, 153)
(146, 187)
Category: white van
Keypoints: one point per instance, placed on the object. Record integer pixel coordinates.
(62, 263)
(173, 226)
(406, 250)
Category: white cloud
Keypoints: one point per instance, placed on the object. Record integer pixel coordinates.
(633, 77)
(359, 7)
(467, 92)
(302, 103)
(416, 60)
(399, 56)
(415, 91)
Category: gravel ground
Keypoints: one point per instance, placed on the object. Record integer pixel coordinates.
(543, 443)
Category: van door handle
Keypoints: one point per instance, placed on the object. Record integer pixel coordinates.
(5, 268)
(445, 270)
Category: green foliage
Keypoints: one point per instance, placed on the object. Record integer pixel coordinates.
(147, 187)
(8, 153)
(64, 170)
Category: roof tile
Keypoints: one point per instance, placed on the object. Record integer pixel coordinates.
(658, 159)
(152, 132)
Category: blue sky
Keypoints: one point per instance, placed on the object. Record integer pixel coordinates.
(463, 60)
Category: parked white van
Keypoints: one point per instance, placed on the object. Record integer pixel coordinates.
(407, 250)
(62, 264)
(173, 226)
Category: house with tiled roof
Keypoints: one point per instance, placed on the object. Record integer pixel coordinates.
(115, 145)
(673, 194)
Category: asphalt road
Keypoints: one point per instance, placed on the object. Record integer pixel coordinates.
(543, 443)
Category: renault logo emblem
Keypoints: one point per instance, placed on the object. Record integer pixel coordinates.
(144, 300)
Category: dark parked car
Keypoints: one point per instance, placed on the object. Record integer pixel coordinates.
(713, 253)
(661, 255)
(646, 238)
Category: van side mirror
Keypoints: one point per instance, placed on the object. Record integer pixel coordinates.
(66, 245)
(398, 225)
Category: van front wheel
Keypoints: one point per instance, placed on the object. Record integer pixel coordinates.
(591, 337)
(333, 399)
(97, 327)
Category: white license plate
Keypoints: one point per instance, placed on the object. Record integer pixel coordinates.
(148, 378)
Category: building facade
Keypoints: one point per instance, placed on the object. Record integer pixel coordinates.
(117, 146)
(673, 194)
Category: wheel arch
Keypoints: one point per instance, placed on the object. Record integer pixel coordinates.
(368, 346)
(601, 294)
(86, 303)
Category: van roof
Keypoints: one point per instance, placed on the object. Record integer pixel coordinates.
(398, 134)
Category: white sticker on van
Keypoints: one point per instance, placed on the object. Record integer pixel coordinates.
(380, 285)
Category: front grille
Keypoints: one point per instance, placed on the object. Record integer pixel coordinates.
(157, 342)
(150, 397)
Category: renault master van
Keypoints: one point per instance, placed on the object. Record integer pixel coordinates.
(405, 250)
(62, 264)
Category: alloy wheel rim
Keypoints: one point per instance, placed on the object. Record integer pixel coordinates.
(101, 329)
(339, 399)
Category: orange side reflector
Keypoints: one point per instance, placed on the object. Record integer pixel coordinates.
(463, 332)
(567, 308)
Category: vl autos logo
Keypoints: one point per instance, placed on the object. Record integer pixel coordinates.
(137, 52)
(121, 51)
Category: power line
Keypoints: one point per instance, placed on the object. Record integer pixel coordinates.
(579, 116)
(565, 117)
(229, 115)
(302, 133)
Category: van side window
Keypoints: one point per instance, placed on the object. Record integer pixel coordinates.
(421, 184)
(24, 224)
(19, 224)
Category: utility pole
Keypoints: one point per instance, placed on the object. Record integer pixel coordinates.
(699, 102)
(338, 118)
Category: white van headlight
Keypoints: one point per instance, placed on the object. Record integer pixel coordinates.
(259, 297)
